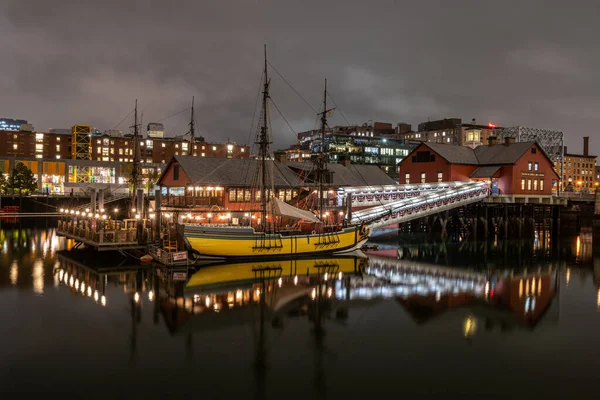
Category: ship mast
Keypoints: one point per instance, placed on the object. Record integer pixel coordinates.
(135, 172)
(321, 163)
(263, 143)
(192, 128)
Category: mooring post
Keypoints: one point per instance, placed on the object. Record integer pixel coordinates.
(93, 200)
(157, 211)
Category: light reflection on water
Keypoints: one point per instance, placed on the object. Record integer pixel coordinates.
(374, 311)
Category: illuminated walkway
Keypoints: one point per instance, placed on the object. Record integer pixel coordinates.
(453, 195)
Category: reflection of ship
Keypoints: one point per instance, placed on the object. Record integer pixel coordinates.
(220, 295)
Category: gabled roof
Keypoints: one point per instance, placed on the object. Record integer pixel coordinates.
(206, 171)
(501, 153)
(452, 153)
(353, 175)
(231, 171)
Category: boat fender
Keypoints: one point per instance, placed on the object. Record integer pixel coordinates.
(314, 232)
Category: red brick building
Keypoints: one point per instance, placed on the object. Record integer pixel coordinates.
(511, 168)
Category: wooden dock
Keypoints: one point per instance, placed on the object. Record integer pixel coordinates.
(103, 235)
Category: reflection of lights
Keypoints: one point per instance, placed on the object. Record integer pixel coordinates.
(279, 282)
(89, 291)
(520, 288)
(238, 294)
(469, 326)
(568, 276)
(136, 297)
(151, 295)
(14, 273)
(326, 275)
(340, 275)
(598, 299)
(71, 280)
(103, 300)
(329, 292)
(96, 295)
(61, 273)
(578, 246)
(313, 293)
(487, 289)
(207, 301)
(296, 280)
(76, 284)
(217, 307)
(438, 295)
(539, 286)
(82, 287)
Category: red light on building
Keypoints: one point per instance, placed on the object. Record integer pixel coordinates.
(490, 125)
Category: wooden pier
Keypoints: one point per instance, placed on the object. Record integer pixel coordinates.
(106, 235)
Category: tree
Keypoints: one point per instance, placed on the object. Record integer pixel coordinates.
(151, 179)
(22, 179)
(3, 183)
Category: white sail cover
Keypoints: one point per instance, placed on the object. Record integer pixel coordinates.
(284, 209)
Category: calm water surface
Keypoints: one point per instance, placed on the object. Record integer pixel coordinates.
(465, 319)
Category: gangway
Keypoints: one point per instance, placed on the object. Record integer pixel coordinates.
(456, 195)
(364, 197)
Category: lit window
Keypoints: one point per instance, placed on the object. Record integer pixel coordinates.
(163, 145)
(528, 184)
(99, 150)
(541, 184)
(58, 139)
(203, 147)
(58, 147)
(58, 156)
(15, 146)
(176, 145)
(423, 178)
(202, 154)
(243, 149)
(535, 183)
(214, 148)
(229, 147)
(536, 166)
(142, 144)
(184, 146)
(529, 165)
(440, 177)
(522, 184)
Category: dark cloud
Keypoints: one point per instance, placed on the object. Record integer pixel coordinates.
(531, 63)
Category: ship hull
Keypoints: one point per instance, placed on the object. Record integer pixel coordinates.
(259, 246)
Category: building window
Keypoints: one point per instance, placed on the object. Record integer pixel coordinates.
(58, 147)
(407, 178)
(528, 184)
(522, 184)
(529, 164)
(423, 177)
(536, 166)
(541, 184)
(214, 148)
(535, 184)
(202, 154)
(533, 150)
(163, 145)
(440, 177)
(15, 146)
(175, 172)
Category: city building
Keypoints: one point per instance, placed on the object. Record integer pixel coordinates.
(451, 131)
(155, 130)
(109, 147)
(511, 168)
(72, 176)
(578, 169)
(10, 124)
(373, 144)
(597, 176)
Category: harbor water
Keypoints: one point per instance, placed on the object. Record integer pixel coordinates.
(494, 320)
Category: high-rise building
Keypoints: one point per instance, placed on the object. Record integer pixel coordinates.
(578, 169)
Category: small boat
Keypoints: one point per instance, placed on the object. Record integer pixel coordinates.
(146, 259)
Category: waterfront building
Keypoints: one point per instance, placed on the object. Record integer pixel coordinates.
(511, 168)
(211, 185)
(371, 144)
(578, 169)
(155, 130)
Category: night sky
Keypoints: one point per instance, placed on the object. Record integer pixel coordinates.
(529, 63)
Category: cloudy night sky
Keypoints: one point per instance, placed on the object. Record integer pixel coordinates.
(529, 63)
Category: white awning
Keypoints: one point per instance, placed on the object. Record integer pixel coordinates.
(284, 209)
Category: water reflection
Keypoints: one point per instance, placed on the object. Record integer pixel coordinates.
(324, 316)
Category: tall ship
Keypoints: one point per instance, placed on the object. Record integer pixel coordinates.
(265, 239)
